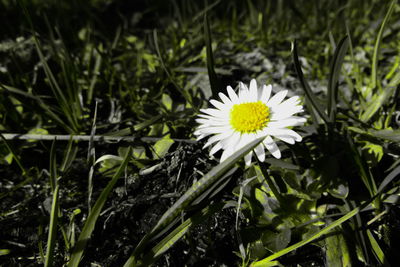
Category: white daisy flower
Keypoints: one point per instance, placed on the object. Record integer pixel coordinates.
(251, 114)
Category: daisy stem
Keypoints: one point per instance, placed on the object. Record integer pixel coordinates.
(270, 182)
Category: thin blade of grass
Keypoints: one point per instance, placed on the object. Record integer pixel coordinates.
(214, 81)
(374, 67)
(311, 238)
(53, 165)
(309, 94)
(378, 252)
(393, 174)
(336, 66)
(51, 239)
(94, 214)
(179, 232)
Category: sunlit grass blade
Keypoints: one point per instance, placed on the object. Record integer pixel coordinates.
(309, 94)
(374, 67)
(69, 155)
(336, 66)
(51, 239)
(94, 214)
(214, 82)
(378, 252)
(167, 242)
(315, 236)
(194, 191)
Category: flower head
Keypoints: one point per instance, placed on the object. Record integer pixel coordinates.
(253, 113)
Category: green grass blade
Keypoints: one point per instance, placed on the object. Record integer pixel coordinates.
(378, 252)
(94, 214)
(53, 165)
(336, 66)
(69, 155)
(214, 81)
(51, 239)
(374, 67)
(309, 94)
(194, 191)
(393, 174)
(311, 238)
(179, 232)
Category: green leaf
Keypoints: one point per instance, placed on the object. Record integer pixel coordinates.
(161, 146)
(94, 215)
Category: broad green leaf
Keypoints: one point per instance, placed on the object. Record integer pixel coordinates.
(161, 146)
(337, 252)
(94, 215)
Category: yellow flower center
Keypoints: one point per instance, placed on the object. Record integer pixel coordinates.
(249, 117)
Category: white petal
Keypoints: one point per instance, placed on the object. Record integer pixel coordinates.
(266, 93)
(226, 154)
(243, 93)
(232, 141)
(277, 99)
(218, 105)
(215, 148)
(247, 158)
(217, 137)
(260, 152)
(253, 93)
(232, 95)
(272, 147)
(215, 112)
(225, 99)
(286, 132)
